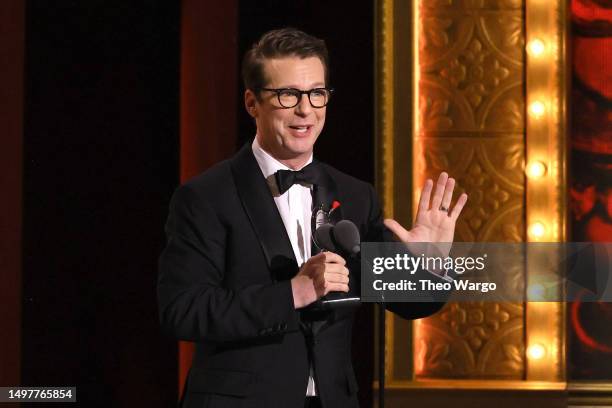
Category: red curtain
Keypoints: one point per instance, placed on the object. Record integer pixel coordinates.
(209, 69)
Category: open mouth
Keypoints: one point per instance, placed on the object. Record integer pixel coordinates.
(301, 129)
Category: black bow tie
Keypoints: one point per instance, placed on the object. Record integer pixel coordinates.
(311, 174)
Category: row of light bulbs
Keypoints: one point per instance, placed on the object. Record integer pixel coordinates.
(536, 169)
(536, 48)
(542, 29)
(536, 110)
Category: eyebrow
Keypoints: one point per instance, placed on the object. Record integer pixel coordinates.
(316, 85)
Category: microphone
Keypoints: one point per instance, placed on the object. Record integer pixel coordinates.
(343, 238)
(347, 236)
(323, 238)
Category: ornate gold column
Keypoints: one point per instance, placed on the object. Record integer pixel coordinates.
(472, 84)
(470, 122)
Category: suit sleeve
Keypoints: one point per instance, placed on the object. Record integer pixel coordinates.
(193, 303)
(377, 232)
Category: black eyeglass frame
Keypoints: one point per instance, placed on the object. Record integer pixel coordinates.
(278, 92)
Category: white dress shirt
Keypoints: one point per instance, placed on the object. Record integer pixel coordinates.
(295, 208)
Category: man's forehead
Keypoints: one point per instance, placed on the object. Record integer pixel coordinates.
(294, 69)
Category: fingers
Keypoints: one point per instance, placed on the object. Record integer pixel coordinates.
(327, 257)
(326, 286)
(396, 228)
(425, 194)
(331, 278)
(329, 273)
(442, 196)
(448, 193)
(454, 214)
(436, 201)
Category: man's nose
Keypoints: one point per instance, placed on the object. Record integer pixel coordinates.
(303, 107)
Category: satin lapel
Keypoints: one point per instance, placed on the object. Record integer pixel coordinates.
(263, 214)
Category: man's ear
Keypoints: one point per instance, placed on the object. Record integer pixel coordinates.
(250, 103)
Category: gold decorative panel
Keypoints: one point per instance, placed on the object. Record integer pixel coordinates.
(471, 340)
(471, 66)
(470, 122)
(489, 169)
(457, 91)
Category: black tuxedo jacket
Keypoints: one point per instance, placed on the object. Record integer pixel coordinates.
(224, 283)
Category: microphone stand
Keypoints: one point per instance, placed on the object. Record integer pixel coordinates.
(338, 300)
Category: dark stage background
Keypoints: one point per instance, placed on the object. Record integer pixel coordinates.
(100, 163)
(101, 157)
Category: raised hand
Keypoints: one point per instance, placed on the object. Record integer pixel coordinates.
(435, 219)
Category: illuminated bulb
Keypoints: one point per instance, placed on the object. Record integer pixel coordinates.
(537, 109)
(536, 169)
(537, 230)
(536, 47)
(536, 351)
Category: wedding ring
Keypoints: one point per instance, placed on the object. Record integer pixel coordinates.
(442, 208)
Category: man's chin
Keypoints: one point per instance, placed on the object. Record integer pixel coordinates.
(299, 147)
(301, 152)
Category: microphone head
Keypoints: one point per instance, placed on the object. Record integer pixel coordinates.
(346, 235)
(323, 238)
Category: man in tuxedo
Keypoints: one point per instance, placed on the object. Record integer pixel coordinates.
(239, 275)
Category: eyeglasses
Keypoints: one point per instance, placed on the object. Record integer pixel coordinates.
(291, 97)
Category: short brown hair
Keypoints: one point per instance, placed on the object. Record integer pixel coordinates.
(284, 42)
